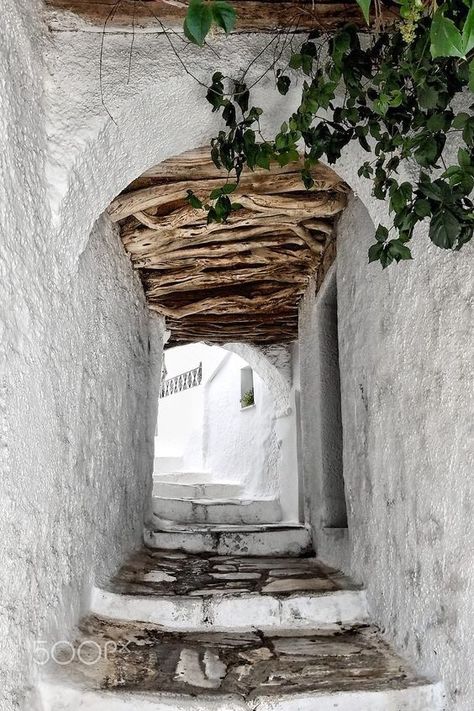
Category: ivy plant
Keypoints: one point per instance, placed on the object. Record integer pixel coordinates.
(398, 94)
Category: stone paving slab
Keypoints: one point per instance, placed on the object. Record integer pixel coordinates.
(132, 656)
(170, 574)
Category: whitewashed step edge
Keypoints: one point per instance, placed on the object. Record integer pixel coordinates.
(59, 696)
(218, 511)
(237, 612)
(196, 490)
(264, 541)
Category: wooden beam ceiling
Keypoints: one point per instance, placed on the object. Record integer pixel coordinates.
(253, 15)
(237, 281)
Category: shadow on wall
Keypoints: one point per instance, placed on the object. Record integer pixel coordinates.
(321, 424)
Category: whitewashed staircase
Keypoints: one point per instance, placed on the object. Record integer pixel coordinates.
(192, 503)
(175, 631)
(236, 625)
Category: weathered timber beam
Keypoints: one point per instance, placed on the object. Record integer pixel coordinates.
(159, 245)
(255, 258)
(210, 251)
(313, 205)
(209, 280)
(287, 314)
(134, 203)
(198, 165)
(253, 15)
(240, 228)
(260, 339)
(233, 304)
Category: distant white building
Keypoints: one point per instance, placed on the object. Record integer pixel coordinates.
(224, 429)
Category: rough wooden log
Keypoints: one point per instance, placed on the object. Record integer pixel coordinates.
(253, 15)
(228, 304)
(131, 203)
(208, 280)
(236, 281)
(255, 258)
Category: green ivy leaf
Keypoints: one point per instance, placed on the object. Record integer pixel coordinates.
(193, 200)
(198, 21)
(223, 15)
(422, 208)
(365, 7)
(308, 180)
(340, 44)
(229, 188)
(427, 96)
(468, 131)
(283, 84)
(446, 39)
(429, 149)
(460, 120)
(295, 61)
(471, 75)
(381, 233)
(398, 250)
(375, 252)
(468, 32)
(445, 229)
(385, 258)
(242, 96)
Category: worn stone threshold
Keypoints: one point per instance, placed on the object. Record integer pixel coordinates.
(223, 527)
(170, 574)
(127, 656)
(280, 540)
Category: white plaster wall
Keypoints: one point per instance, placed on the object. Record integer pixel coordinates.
(410, 353)
(159, 111)
(76, 449)
(75, 419)
(407, 380)
(241, 444)
(317, 365)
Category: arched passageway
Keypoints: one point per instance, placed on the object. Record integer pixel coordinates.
(78, 348)
(237, 284)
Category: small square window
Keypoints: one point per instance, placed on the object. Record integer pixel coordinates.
(247, 396)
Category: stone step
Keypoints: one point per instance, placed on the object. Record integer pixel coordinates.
(195, 490)
(187, 592)
(128, 666)
(219, 511)
(266, 540)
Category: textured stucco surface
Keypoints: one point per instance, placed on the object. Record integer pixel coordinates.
(241, 444)
(404, 347)
(159, 110)
(75, 442)
(406, 376)
(321, 429)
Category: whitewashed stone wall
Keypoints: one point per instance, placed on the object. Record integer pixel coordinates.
(404, 347)
(75, 442)
(407, 380)
(241, 444)
(321, 428)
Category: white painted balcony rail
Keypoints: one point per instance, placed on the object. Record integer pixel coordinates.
(184, 381)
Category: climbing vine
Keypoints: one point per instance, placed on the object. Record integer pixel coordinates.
(392, 92)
